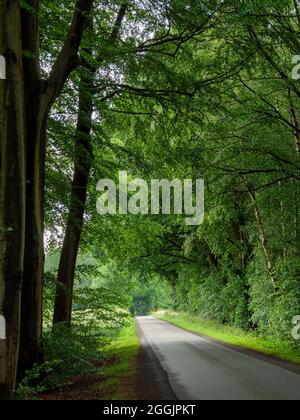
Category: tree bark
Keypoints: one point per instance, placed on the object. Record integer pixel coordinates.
(39, 98)
(12, 201)
(36, 116)
(82, 167)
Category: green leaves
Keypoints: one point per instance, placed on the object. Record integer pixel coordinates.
(191, 90)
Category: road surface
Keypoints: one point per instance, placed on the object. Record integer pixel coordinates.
(199, 369)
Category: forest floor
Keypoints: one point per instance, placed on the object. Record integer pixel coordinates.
(131, 372)
(237, 337)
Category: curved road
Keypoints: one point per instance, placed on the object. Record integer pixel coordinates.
(199, 369)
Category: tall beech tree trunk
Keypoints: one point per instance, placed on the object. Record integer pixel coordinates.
(26, 100)
(36, 108)
(39, 98)
(12, 200)
(31, 325)
(82, 167)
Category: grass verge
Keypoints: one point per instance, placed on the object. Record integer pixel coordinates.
(123, 351)
(233, 335)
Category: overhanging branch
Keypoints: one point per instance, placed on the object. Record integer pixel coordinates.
(68, 58)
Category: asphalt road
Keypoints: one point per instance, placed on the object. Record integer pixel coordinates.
(199, 369)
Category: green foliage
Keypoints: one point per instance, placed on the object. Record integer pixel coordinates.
(150, 296)
(273, 311)
(146, 291)
(213, 296)
(41, 378)
(197, 90)
(98, 315)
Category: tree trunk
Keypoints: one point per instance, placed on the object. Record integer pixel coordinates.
(283, 227)
(262, 234)
(31, 325)
(12, 204)
(36, 116)
(39, 98)
(82, 167)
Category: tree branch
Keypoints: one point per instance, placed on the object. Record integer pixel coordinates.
(273, 62)
(68, 58)
(118, 23)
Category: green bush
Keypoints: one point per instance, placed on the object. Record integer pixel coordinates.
(273, 309)
(79, 348)
(41, 378)
(97, 315)
(213, 295)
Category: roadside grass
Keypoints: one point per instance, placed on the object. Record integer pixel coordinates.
(233, 335)
(123, 351)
